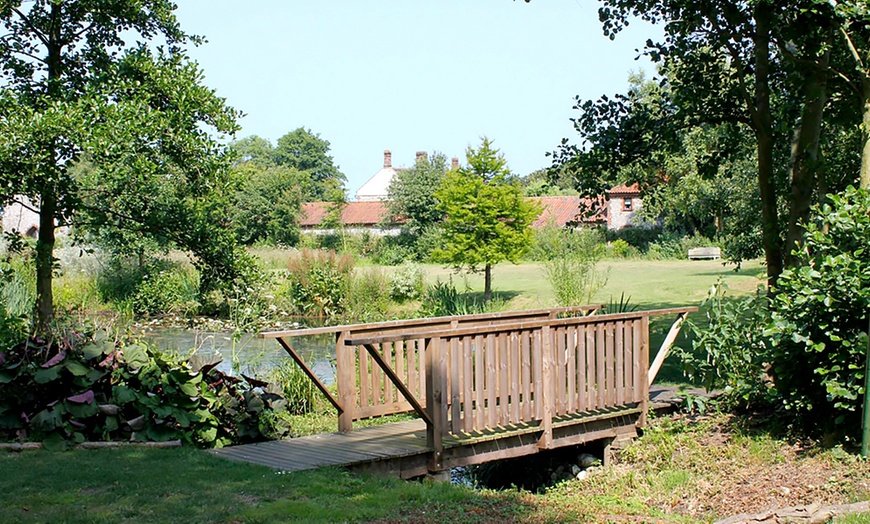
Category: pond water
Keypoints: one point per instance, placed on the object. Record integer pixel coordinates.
(255, 356)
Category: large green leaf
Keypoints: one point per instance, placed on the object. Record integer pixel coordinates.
(44, 376)
(135, 357)
(77, 368)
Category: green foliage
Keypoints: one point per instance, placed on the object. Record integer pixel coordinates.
(169, 291)
(620, 248)
(487, 218)
(304, 150)
(80, 386)
(297, 389)
(319, 282)
(441, 299)
(571, 268)
(406, 282)
(731, 348)
(412, 197)
(368, 297)
(821, 316)
(267, 204)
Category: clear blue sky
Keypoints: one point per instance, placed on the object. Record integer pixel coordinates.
(411, 75)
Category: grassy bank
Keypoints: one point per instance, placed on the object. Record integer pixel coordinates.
(650, 284)
(682, 470)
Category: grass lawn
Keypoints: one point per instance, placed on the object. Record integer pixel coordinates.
(650, 284)
(682, 470)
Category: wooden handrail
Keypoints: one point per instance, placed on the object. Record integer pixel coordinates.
(404, 323)
(461, 331)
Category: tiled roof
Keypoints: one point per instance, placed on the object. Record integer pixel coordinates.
(633, 190)
(562, 210)
(352, 213)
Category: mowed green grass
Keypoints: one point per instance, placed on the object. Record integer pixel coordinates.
(184, 485)
(650, 284)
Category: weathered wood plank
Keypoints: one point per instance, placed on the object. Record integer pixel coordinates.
(599, 366)
(609, 370)
(515, 371)
(468, 386)
(491, 382)
(527, 412)
(503, 386)
(571, 372)
(620, 363)
(591, 397)
(582, 397)
(479, 382)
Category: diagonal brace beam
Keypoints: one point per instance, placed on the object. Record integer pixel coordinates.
(289, 349)
(666, 346)
(398, 383)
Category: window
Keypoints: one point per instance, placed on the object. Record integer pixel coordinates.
(626, 204)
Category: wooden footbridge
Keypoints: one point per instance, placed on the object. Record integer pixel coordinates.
(484, 387)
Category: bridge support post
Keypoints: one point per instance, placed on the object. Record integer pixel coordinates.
(345, 368)
(436, 369)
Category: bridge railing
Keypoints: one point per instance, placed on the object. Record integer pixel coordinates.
(365, 389)
(467, 381)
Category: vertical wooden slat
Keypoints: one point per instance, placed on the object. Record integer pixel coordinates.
(571, 343)
(582, 397)
(591, 397)
(422, 363)
(468, 396)
(636, 363)
(491, 379)
(389, 388)
(455, 386)
(630, 356)
(515, 372)
(599, 366)
(399, 352)
(377, 386)
(364, 377)
(538, 374)
(609, 375)
(620, 363)
(411, 363)
(558, 373)
(345, 371)
(503, 386)
(526, 376)
(479, 383)
(548, 389)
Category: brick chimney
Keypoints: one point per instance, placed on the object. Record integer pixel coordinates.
(454, 164)
(422, 156)
(388, 158)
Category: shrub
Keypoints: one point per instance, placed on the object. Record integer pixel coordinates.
(442, 299)
(571, 266)
(297, 389)
(821, 314)
(674, 246)
(730, 348)
(319, 282)
(368, 297)
(406, 282)
(621, 249)
(80, 386)
(172, 291)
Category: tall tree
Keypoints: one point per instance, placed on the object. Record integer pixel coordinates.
(304, 150)
(73, 84)
(487, 219)
(412, 195)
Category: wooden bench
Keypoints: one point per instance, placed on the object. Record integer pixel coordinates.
(700, 253)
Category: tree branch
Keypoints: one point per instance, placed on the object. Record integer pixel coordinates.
(32, 27)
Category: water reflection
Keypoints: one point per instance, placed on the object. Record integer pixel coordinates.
(255, 356)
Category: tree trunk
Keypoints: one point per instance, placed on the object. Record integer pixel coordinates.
(487, 283)
(764, 135)
(805, 156)
(48, 196)
(45, 262)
